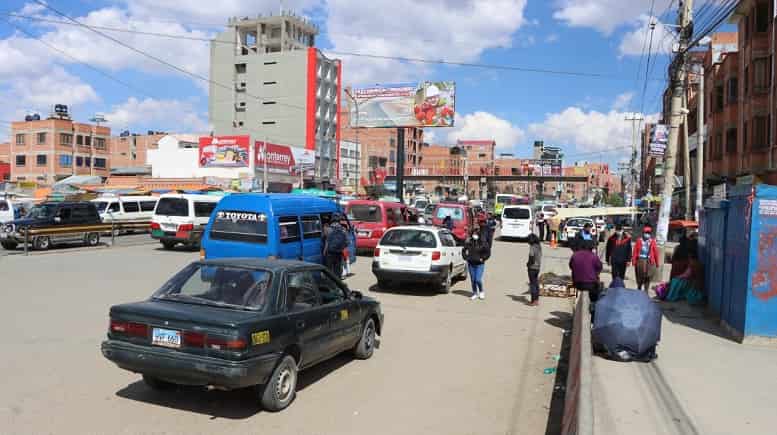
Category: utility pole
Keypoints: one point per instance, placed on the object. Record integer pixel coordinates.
(634, 118)
(700, 145)
(684, 21)
(686, 160)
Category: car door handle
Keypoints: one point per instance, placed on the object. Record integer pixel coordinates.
(300, 324)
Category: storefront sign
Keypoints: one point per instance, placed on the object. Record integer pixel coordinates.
(424, 104)
(224, 151)
(284, 159)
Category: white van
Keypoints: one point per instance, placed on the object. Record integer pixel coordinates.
(10, 205)
(6, 211)
(517, 221)
(181, 218)
(128, 211)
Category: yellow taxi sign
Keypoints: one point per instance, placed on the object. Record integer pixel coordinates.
(261, 337)
(343, 314)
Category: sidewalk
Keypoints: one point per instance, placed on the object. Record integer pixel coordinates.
(701, 383)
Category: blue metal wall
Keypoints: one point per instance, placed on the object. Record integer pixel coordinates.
(738, 244)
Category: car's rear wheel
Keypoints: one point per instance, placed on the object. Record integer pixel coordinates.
(366, 345)
(9, 245)
(447, 281)
(168, 245)
(92, 239)
(282, 386)
(157, 384)
(41, 243)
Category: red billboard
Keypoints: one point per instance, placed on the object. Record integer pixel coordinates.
(225, 151)
(284, 158)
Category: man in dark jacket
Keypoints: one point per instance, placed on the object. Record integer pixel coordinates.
(586, 267)
(582, 236)
(476, 252)
(618, 252)
(336, 240)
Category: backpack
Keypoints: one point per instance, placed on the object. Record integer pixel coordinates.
(337, 241)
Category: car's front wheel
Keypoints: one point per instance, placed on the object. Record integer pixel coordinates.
(41, 243)
(168, 245)
(366, 345)
(157, 384)
(9, 245)
(282, 386)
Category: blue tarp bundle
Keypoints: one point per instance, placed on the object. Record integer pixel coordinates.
(627, 324)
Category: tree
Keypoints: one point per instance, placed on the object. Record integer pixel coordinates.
(615, 200)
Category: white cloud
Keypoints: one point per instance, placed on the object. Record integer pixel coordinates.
(622, 101)
(587, 131)
(152, 114)
(633, 42)
(484, 126)
(208, 12)
(604, 15)
(21, 56)
(551, 38)
(458, 30)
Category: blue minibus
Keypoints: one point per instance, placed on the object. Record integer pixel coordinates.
(264, 225)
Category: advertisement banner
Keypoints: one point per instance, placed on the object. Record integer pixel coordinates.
(659, 137)
(425, 104)
(284, 159)
(224, 151)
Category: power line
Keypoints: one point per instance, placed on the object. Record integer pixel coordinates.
(97, 29)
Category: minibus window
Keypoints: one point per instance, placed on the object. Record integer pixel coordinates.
(289, 229)
(311, 227)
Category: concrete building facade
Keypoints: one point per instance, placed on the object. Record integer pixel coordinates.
(270, 83)
(350, 165)
(48, 150)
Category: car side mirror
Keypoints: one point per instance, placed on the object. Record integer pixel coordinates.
(355, 294)
(57, 219)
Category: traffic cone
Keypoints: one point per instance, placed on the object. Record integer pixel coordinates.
(553, 239)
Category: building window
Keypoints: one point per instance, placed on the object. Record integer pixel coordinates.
(79, 140)
(65, 160)
(99, 143)
(718, 98)
(760, 132)
(88, 162)
(99, 163)
(20, 139)
(731, 141)
(88, 140)
(21, 160)
(744, 135)
(762, 17)
(270, 83)
(41, 138)
(271, 63)
(747, 80)
(268, 122)
(268, 102)
(761, 74)
(65, 139)
(79, 161)
(733, 89)
(40, 160)
(240, 68)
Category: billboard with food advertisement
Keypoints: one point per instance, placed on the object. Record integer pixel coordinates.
(284, 159)
(224, 151)
(424, 104)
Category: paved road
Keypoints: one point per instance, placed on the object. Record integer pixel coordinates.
(105, 242)
(446, 365)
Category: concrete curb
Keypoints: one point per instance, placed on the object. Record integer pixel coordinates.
(578, 405)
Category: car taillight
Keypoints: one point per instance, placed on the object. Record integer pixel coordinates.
(193, 339)
(376, 252)
(186, 227)
(129, 328)
(155, 226)
(436, 255)
(218, 343)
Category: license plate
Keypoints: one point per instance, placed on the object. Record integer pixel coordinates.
(364, 233)
(405, 259)
(157, 233)
(181, 234)
(166, 337)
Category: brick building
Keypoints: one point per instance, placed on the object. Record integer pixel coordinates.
(5, 152)
(132, 150)
(45, 151)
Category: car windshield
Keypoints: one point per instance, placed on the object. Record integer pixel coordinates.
(100, 205)
(454, 212)
(578, 222)
(172, 207)
(409, 239)
(429, 208)
(42, 211)
(218, 285)
(364, 213)
(517, 213)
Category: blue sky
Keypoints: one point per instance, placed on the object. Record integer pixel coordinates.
(585, 115)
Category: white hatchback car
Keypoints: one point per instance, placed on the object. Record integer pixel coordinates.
(426, 254)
